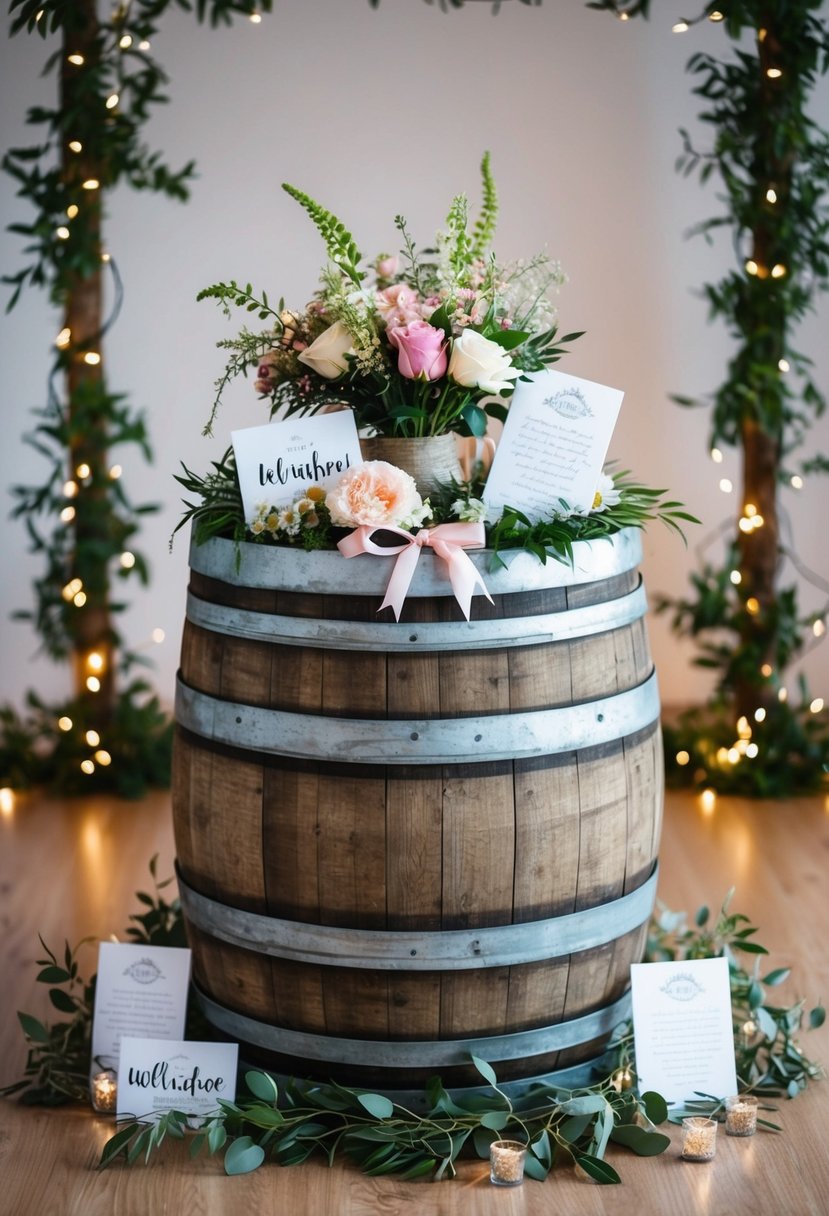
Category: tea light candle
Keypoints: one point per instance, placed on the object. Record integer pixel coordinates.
(506, 1162)
(699, 1138)
(104, 1091)
(741, 1115)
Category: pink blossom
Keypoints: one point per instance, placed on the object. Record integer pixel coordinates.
(398, 305)
(421, 350)
(387, 266)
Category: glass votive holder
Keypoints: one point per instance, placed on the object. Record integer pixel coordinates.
(103, 1091)
(506, 1162)
(741, 1115)
(699, 1138)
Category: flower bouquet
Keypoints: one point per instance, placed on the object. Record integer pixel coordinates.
(425, 343)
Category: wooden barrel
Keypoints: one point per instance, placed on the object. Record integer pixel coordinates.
(400, 844)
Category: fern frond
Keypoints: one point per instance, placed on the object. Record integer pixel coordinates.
(342, 249)
(484, 229)
(460, 247)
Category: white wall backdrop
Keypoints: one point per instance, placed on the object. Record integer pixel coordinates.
(375, 113)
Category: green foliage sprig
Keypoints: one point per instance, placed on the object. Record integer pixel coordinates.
(58, 1062)
(383, 1137)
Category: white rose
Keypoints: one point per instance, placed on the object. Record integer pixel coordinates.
(478, 362)
(326, 354)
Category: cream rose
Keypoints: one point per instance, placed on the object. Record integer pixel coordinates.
(373, 492)
(478, 362)
(326, 354)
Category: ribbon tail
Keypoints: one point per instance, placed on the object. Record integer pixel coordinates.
(400, 581)
(464, 577)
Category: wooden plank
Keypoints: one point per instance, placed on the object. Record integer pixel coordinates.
(547, 835)
(474, 682)
(603, 825)
(354, 684)
(290, 829)
(231, 829)
(643, 766)
(351, 849)
(540, 676)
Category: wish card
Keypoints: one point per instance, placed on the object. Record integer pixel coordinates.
(684, 1041)
(140, 990)
(156, 1075)
(555, 441)
(277, 463)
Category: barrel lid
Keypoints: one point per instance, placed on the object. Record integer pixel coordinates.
(327, 572)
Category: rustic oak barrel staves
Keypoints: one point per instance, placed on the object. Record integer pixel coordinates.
(402, 843)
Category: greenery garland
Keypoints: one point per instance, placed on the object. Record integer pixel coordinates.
(383, 1137)
(112, 733)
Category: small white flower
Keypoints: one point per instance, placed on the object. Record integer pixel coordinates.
(470, 510)
(606, 494)
(257, 526)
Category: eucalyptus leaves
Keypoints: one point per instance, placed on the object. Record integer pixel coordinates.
(383, 1137)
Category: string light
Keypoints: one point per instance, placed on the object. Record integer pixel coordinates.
(761, 35)
(39, 15)
(93, 738)
(783, 365)
(158, 636)
(77, 61)
(726, 485)
(6, 800)
(93, 683)
(778, 271)
(752, 267)
(736, 577)
(79, 600)
(72, 210)
(716, 15)
(92, 358)
(87, 767)
(733, 755)
(91, 183)
(67, 515)
(783, 695)
(716, 455)
(62, 233)
(75, 145)
(105, 257)
(760, 715)
(103, 758)
(752, 605)
(83, 471)
(115, 472)
(64, 723)
(71, 589)
(819, 628)
(256, 18)
(796, 482)
(64, 338)
(766, 671)
(143, 45)
(679, 27)
(112, 101)
(624, 16)
(816, 706)
(683, 758)
(771, 195)
(774, 73)
(752, 751)
(127, 560)
(95, 660)
(70, 489)
(743, 728)
(125, 42)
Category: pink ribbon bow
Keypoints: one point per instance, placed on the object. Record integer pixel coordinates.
(448, 542)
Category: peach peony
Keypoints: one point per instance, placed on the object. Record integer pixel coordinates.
(373, 492)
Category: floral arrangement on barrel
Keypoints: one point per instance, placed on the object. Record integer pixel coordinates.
(423, 344)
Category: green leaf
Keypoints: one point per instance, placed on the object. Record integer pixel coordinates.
(777, 977)
(534, 1168)
(243, 1156)
(54, 975)
(817, 1017)
(597, 1169)
(263, 1086)
(642, 1142)
(486, 1070)
(587, 1104)
(496, 1120)
(116, 1144)
(33, 1029)
(656, 1108)
(377, 1105)
(62, 1000)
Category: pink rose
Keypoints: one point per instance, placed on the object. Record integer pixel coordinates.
(421, 350)
(373, 492)
(398, 305)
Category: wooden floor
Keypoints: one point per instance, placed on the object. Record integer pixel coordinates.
(70, 870)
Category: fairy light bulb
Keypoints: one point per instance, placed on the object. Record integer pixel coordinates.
(760, 715)
(736, 577)
(816, 705)
(716, 15)
(62, 233)
(783, 695)
(70, 489)
(819, 628)
(125, 42)
(93, 683)
(796, 482)
(708, 800)
(87, 767)
(76, 60)
(95, 660)
(255, 18)
(752, 605)
(774, 73)
(752, 267)
(752, 751)
(83, 471)
(683, 758)
(144, 45)
(93, 738)
(771, 195)
(783, 365)
(778, 271)
(127, 560)
(79, 599)
(679, 27)
(105, 257)
(75, 145)
(726, 485)
(92, 357)
(64, 338)
(91, 183)
(112, 101)
(115, 472)
(103, 757)
(67, 515)
(733, 755)
(158, 636)
(716, 455)
(64, 723)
